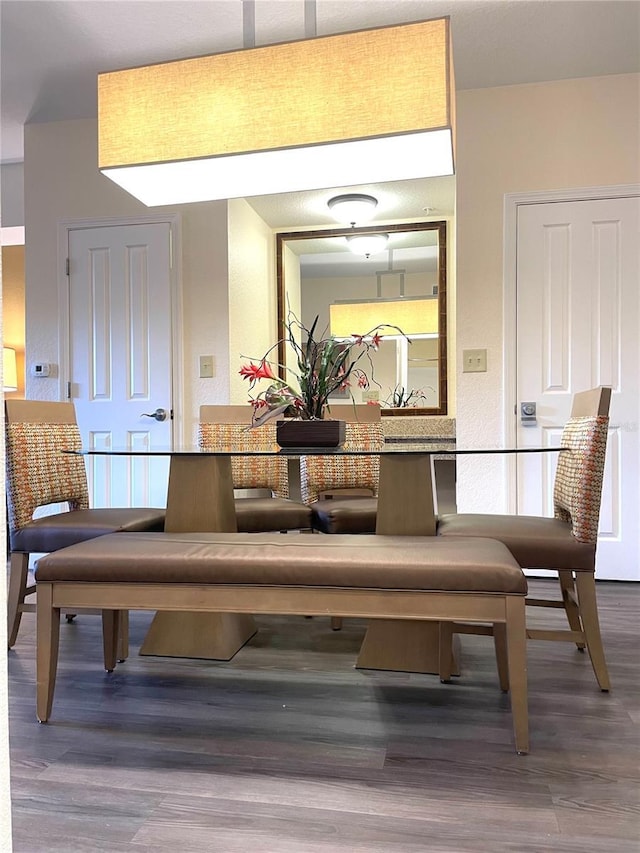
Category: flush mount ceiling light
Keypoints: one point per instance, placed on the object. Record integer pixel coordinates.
(352, 208)
(367, 244)
(282, 118)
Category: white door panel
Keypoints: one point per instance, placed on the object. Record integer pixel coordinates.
(120, 355)
(578, 326)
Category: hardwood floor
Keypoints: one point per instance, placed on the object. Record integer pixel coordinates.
(288, 749)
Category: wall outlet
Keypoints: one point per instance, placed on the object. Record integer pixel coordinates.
(474, 360)
(371, 396)
(207, 367)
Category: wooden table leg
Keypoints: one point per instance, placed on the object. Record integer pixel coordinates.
(199, 499)
(405, 508)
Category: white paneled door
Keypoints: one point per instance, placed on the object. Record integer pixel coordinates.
(120, 355)
(578, 326)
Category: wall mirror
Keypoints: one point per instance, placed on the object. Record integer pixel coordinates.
(401, 281)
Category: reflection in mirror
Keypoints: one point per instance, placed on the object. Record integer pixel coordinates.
(401, 282)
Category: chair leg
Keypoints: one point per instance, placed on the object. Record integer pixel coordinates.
(123, 636)
(516, 637)
(586, 584)
(110, 633)
(47, 641)
(445, 646)
(502, 661)
(568, 589)
(336, 623)
(18, 573)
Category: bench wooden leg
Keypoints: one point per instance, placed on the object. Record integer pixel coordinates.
(47, 641)
(110, 638)
(516, 635)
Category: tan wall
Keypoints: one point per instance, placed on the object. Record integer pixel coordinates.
(570, 133)
(252, 293)
(573, 133)
(62, 182)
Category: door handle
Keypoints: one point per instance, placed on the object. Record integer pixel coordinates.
(158, 415)
(528, 414)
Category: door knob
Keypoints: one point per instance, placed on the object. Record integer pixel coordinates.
(528, 414)
(158, 415)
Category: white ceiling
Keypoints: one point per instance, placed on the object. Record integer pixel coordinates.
(52, 50)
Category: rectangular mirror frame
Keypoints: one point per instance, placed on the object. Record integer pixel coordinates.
(441, 228)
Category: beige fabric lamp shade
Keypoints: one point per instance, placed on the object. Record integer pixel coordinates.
(9, 369)
(415, 316)
(371, 105)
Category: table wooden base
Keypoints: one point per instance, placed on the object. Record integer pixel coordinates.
(200, 499)
(213, 636)
(405, 508)
(404, 646)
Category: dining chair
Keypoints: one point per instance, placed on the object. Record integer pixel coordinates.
(39, 474)
(567, 542)
(269, 508)
(342, 491)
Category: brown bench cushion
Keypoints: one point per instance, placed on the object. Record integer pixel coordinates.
(344, 561)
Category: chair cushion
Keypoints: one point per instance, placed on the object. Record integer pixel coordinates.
(345, 515)
(51, 532)
(535, 542)
(262, 515)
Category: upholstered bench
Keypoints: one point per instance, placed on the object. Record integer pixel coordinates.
(366, 576)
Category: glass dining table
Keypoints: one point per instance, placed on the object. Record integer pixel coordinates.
(200, 498)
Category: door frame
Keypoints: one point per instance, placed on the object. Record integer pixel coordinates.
(174, 220)
(512, 202)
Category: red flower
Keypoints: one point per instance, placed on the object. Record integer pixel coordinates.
(253, 372)
(375, 341)
(363, 382)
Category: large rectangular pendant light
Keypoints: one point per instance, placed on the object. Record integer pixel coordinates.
(372, 105)
(414, 315)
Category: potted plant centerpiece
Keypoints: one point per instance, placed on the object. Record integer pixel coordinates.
(323, 366)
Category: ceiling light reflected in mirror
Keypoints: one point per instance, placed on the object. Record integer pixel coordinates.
(367, 244)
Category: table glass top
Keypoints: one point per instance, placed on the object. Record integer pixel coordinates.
(389, 449)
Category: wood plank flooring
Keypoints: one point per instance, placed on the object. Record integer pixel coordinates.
(289, 749)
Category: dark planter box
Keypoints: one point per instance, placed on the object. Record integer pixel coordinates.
(310, 434)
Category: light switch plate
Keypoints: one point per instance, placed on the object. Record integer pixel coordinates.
(207, 367)
(474, 360)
